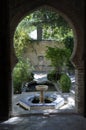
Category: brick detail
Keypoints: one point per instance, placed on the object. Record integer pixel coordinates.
(79, 89)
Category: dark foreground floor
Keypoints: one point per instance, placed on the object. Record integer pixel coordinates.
(49, 122)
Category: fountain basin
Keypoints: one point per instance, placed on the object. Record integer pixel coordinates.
(56, 102)
(41, 87)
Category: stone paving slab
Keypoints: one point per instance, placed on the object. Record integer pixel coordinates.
(50, 122)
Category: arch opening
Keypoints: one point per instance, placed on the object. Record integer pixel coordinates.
(40, 38)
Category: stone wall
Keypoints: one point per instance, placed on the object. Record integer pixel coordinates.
(36, 52)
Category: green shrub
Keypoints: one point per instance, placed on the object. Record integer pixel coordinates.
(53, 76)
(22, 73)
(65, 83)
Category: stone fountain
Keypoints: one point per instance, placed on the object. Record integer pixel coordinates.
(42, 101)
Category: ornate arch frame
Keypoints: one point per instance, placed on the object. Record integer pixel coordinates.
(76, 57)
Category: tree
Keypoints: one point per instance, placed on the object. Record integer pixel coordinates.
(21, 73)
(21, 40)
(58, 57)
(49, 25)
(69, 43)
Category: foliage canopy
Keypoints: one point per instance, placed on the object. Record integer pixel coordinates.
(53, 26)
(58, 56)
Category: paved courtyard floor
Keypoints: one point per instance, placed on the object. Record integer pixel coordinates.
(50, 122)
(69, 105)
(64, 118)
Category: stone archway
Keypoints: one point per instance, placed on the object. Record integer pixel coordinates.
(76, 57)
